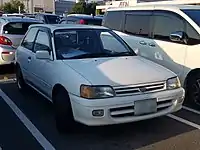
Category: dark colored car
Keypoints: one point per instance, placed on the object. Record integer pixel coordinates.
(48, 18)
(81, 19)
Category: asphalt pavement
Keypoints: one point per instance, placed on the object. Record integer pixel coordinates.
(28, 123)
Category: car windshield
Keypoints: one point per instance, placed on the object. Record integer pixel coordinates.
(51, 19)
(89, 43)
(194, 14)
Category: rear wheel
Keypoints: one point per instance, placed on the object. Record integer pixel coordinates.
(20, 80)
(193, 89)
(63, 111)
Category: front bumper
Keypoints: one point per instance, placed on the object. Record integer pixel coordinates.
(117, 110)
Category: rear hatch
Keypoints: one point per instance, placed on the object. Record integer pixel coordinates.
(15, 31)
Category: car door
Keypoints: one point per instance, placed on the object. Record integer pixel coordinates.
(172, 53)
(137, 27)
(24, 52)
(39, 68)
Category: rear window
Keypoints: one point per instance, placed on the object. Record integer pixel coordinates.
(93, 21)
(52, 19)
(19, 28)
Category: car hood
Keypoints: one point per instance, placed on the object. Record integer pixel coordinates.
(119, 71)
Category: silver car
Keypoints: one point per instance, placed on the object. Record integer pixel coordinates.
(12, 30)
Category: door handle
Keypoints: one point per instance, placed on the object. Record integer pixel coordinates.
(152, 45)
(29, 59)
(143, 43)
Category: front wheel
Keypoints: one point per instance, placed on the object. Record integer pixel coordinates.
(193, 89)
(63, 111)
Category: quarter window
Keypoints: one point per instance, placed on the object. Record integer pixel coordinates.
(42, 42)
(165, 24)
(138, 24)
(29, 39)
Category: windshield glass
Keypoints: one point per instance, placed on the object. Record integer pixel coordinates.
(86, 43)
(193, 14)
(51, 19)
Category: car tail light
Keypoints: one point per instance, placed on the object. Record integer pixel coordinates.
(5, 41)
(6, 53)
(82, 21)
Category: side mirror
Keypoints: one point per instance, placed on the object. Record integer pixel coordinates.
(178, 36)
(42, 55)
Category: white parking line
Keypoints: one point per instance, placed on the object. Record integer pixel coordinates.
(192, 110)
(29, 125)
(184, 121)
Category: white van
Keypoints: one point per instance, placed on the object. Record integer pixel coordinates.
(166, 34)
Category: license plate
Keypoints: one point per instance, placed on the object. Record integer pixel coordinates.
(143, 107)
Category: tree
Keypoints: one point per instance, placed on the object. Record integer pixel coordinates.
(12, 6)
(83, 8)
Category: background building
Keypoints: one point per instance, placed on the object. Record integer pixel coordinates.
(32, 6)
(63, 7)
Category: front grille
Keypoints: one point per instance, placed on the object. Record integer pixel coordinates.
(128, 111)
(139, 89)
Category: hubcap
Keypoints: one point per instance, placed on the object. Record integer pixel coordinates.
(196, 92)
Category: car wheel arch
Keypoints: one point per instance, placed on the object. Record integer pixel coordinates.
(190, 74)
(56, 87)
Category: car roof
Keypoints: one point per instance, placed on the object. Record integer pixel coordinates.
(46, 14)
(54, 27)
(155, 6)
(19, 19)
(83, 16)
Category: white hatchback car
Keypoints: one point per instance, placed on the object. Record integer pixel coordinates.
(93, 77)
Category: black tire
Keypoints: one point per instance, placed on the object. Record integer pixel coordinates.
(193, 89)
(20, 80)
(63, 111)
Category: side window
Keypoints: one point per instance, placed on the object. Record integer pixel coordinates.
(138, 24)
(29, 39)
(165, 23)
(193, 36)
(63, 22)
(111, 21)
(42, 42)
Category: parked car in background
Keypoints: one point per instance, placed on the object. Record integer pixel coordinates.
(166, 34)
(12, 30)
(99, 15)
(48, 18)
(13, 15)
(93, 77)
(29, 15)
(81, 19)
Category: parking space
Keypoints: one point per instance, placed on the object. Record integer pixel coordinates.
(160, 133)
(7, 73)
(11, 128)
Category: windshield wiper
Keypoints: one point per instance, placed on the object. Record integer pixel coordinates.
(123, 54)
(90, 55)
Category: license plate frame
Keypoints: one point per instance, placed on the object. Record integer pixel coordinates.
(147, 106)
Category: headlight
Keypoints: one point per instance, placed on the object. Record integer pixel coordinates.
(95, 92)
(173, 83)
